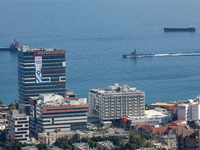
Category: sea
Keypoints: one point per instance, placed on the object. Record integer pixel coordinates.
(95, 34)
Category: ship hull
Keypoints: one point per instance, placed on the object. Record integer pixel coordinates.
(8, 49)
(179, 29)
(135, 56)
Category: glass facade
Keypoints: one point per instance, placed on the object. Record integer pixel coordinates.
(52, 71)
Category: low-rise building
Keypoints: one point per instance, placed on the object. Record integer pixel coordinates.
(18, 126)
(169, 140)
(29, 148)
(105, 145)
(168, 106)
(52, 136)
(153, 117)
(81, 146)
(50, 112)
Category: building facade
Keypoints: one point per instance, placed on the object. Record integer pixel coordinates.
(50, 112)
(190, 110)
(154, 117)
(39, 71)
(116, 102)
(18, 126)
(188, 139)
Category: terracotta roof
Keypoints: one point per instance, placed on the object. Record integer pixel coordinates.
(147, 127)
(178, 121)
(160, 129)
(172, 126)
(141, 125)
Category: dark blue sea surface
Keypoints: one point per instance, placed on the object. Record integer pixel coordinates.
(95, 34)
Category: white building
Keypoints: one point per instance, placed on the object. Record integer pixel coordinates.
(189, 111)
(116, 102)
(50, 111)
(18, 126)
(153, 117)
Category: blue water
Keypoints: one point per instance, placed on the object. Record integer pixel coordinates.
(95, 33)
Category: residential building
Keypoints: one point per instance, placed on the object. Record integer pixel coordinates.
(108, 145)
(18, 126)
(81, 146)
(169, 140)
(154, 117)
(188, 139)
(190, 110)
(116, 102)
(39, 71)
(29, 148)
(50, 112)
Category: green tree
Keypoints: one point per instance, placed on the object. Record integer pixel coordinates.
(149, 144)
(1, 103)
(48, 133)
(41, 146)
(43, 130)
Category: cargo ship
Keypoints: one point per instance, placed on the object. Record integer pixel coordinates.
(190, 29)
(135, 54)
(14, 46)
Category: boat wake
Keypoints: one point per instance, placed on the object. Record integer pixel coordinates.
(177, 54)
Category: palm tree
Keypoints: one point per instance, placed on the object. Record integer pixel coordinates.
(56, 130)
(48, 133)
(1, 103)
(36, 134)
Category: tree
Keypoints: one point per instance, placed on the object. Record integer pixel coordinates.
(158, 132)
(36, 134)
(162, 124)
(1, 103)
(43, 130)
(11, 107)
(41, 146)
(48, 133)
(57, 130)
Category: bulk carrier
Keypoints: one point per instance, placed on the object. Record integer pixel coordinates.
(190, 29)
(14, 46)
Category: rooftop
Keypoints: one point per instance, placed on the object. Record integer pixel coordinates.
(58, 100)
(163, 104)
(15, 113)
(50, 51)
(117, 90)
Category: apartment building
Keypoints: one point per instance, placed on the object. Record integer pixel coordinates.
(188, 139)
(18, 126)
(190, 110)
(116, 102)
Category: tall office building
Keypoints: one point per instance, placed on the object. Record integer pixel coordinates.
(40, 71)
(116, 102)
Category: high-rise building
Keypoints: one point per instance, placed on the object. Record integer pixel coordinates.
(116, 102)
(39, 71)
(18, 126)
